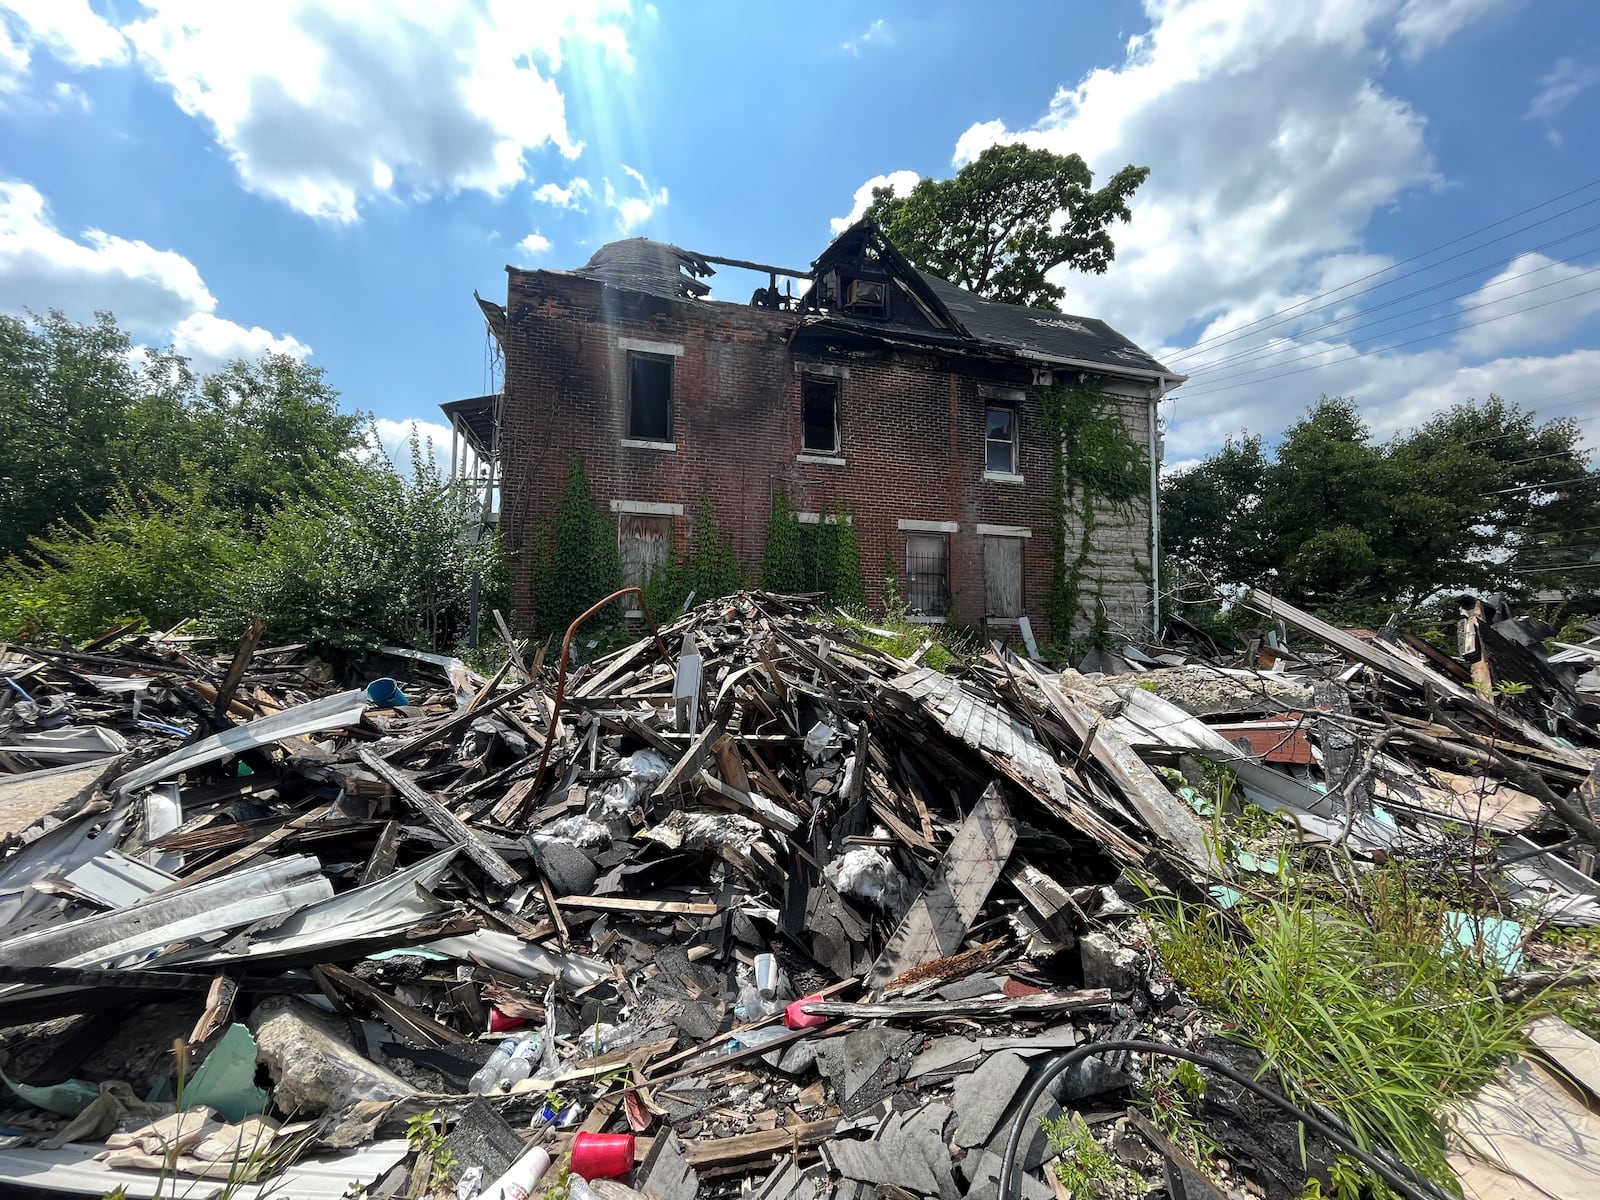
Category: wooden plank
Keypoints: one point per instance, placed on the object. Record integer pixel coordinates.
(996, 1005)
(687, 766)
(382, 861)
(486, 858)
(412, 1023)
(758, 809)
(937, 922)
(258, 847)
(688, 908)
(1163, 812)
(455, 724)
(714, 1152)
(236, 669)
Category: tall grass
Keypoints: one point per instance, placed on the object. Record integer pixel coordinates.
(1361, 1006)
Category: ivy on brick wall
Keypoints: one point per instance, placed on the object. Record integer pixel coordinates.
(576, 561)
(822, 557)
(710, 570)
(1095, 460)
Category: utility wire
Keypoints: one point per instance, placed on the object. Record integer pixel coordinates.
(1226, 386)
(1262, 322)
(1279, 344)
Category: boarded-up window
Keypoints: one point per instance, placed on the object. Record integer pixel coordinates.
(1002, 577)
(649, 397)
(927, 573)
(819, 414)
(646, 545)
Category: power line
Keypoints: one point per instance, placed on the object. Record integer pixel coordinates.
(1279, 345)
(1262, 322)
(1312, 351)
(1224, 387)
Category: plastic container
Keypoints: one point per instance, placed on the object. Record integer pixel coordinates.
(500, 1022)
(518, 1182)
(386, 693)
(602, 1155)
(489, 1074)
(795, 1016)
(521, 1064)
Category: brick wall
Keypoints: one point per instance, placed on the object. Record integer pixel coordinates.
(912, 438)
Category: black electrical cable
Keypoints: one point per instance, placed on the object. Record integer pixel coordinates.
(1395, 1173)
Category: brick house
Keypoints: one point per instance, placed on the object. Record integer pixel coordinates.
(884, 395)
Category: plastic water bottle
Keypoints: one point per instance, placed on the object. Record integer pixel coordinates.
(521, 1064)
(489, 1074)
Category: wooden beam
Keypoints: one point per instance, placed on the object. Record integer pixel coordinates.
(488, 860)
(637, 904)
(454, 724)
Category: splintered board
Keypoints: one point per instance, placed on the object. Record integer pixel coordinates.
(937, 922)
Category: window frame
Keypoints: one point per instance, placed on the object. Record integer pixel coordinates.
(632, 434)
(1014, 441)
(809, 379)
(945, 593)
(1021, 544)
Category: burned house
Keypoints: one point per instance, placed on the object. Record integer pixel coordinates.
(883, 396)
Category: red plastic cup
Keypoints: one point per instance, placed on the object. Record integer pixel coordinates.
(499, 1022)
(795, 1016)
(602, 1155)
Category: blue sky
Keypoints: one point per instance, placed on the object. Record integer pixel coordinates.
(335, 180)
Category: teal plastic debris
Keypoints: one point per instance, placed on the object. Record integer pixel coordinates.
(226, 1081)
(1497, 941)
(1224, 895)
(1247, 861)
(66, 1099)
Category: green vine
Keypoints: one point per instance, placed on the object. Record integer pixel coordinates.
(1095, 459)
(824, 556)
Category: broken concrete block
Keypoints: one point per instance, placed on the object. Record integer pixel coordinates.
(313, 1070)
(1107, 963)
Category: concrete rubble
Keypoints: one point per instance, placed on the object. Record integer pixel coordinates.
(797, 916)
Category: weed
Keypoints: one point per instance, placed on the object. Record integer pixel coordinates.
(1365, 1010)
(894, 633)
(1085, 1168)
(424, 1133)
(1171, 1103)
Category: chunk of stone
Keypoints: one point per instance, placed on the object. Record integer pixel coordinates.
(313, 1069)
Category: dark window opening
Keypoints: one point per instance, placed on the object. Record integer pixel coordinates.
(1000, 439)
(819, 414)
(645, 543)
(1002, 577)
(650, 397)
(868, 297)
(927, 573)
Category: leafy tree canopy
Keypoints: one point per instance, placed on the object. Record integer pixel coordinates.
(1482, 496)
(1008, 218)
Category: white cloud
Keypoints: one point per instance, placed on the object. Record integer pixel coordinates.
(877, 32)
(394, 437)
(69, 29)
(633, 211)
(1562, 84)
(899, 182)
(1424, 25)
(14, 60)
(533, 245)
(328, 107)
(1221, 239)
(571, 196)
(1533, 301)
(157, 295)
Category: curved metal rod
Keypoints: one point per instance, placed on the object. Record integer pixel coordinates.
(561, 682)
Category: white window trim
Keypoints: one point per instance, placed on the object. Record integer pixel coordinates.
(1006, 531)
(647, 508)
(642, 444)
(1005, 622)
(835, 370)
(811, 518)
(1002, 477)
(644, 346)
(820, 460)
(929, 526)
(922, 619)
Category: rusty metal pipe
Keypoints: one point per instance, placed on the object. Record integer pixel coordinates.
(561, 682)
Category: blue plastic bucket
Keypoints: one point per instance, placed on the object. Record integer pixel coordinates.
(386, 693)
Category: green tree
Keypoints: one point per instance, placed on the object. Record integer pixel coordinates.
(1008, 218)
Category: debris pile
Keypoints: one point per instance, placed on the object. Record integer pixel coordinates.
(747, 907)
